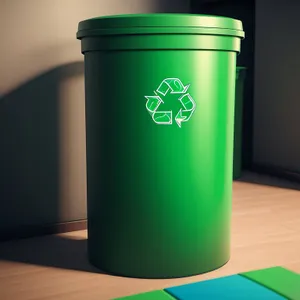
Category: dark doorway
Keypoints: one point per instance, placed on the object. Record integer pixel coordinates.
(244, 11)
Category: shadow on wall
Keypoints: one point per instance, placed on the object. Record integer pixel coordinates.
(30, 158)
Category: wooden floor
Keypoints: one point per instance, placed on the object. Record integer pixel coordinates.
(265, 232)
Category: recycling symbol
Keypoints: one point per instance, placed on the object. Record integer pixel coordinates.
(172, 86)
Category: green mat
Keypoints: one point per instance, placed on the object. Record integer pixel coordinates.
(282, 282)
(277, 279)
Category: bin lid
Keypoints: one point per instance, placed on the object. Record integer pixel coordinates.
(160, 23)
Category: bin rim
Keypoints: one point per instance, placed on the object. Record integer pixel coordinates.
(160, 23)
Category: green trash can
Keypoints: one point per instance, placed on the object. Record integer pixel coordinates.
(238, 122)
(160, 94)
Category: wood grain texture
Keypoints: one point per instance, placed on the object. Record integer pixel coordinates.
(265, 233)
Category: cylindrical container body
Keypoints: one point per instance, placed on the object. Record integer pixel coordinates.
(238, 122)
(160, 94)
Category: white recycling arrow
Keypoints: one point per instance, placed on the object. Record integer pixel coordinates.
(189, 106)
(173, 84)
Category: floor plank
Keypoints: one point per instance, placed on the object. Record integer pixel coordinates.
(265, 232)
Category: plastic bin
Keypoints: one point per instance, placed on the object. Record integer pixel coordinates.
(159, 120)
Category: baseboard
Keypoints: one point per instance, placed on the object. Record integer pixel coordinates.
(22, 232)
(276, 171)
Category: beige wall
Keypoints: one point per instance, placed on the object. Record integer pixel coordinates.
(42, 156)
(40, 34)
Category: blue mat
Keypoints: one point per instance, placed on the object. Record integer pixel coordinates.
(233, 287)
